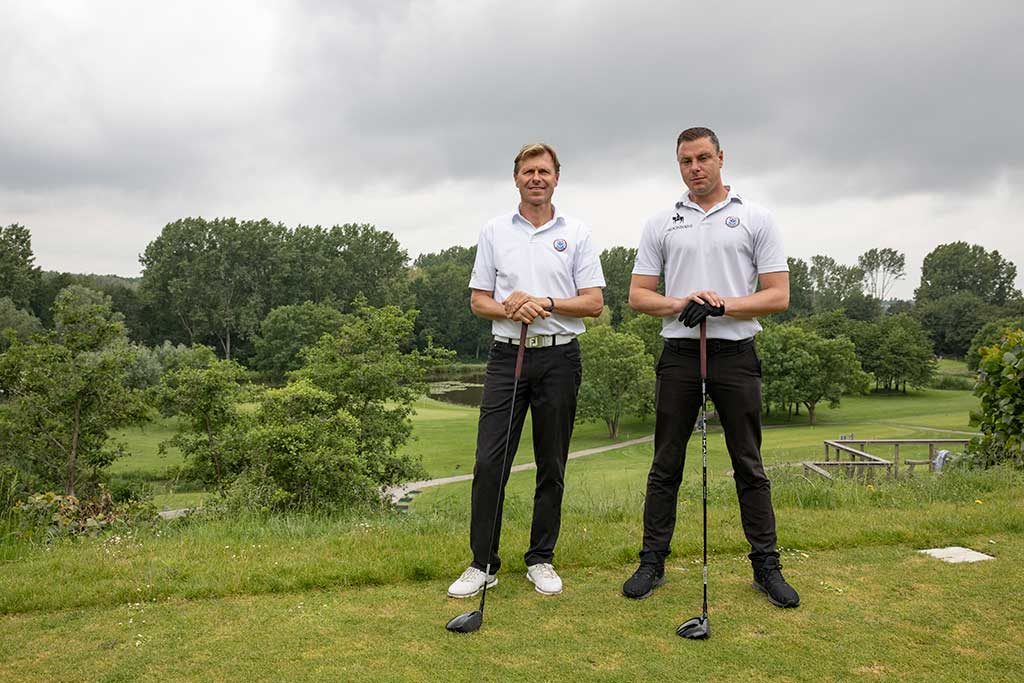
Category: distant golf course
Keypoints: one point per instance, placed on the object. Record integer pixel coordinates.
(299, 597)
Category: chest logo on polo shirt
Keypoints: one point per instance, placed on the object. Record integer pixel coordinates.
(677, 218)
(732, 221)
(560, 244)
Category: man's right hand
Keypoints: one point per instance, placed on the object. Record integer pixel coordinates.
(527, 312)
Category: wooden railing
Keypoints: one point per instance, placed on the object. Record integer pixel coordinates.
(861, 463)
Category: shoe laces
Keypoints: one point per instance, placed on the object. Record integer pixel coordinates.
(771, 572)
(544, 571)
(647, 570)
(471, 574)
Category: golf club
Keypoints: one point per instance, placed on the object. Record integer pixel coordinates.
(699, 628)
(468, 622)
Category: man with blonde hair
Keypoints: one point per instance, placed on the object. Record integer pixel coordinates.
(535, 267)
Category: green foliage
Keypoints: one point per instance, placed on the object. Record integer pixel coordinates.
(618, 377)
(881, 268)
(211, 426)
(800, 367)
(801, 290)
(177, 356)
(64, 393)
(991, 333)
(345, 262)
(303, 454)
(21, 324)
(368, 372)
(953, 320)
(286, 331)
(896, 350)
(961, 268)
(65, 516)
(1001, 389)
(440, 287)
(617, 265)
(833, 282)
(647, 329)
(18, 275)
(219, 278)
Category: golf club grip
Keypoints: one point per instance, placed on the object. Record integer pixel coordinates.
(703, 349)
(522, 350)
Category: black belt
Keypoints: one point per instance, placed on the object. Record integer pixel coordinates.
(714, 345)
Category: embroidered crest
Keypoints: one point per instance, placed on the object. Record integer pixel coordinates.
(677, 218)
(561, 245)
(732, 221)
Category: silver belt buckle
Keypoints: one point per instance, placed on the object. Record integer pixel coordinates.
(534, 342)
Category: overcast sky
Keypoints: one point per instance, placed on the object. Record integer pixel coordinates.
(859, 125)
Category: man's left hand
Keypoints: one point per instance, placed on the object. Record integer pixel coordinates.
(514, 301)
(694, 313)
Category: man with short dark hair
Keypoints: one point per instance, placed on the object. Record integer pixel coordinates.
(539, 267)
(713, 248)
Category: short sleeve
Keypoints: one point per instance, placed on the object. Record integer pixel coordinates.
(587, 270)
(769, 254)
(484, 273)
(649, 257)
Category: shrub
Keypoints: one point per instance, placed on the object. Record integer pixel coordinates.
(1001, 389)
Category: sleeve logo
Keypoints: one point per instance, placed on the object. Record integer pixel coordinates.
(561, 245)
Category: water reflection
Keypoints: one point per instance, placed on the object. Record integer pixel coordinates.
(467, 390)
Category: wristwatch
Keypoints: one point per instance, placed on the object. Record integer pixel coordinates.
(550, 308)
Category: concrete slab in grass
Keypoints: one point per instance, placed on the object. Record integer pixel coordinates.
(955, 554)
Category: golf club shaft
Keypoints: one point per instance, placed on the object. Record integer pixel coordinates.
(508, 437)
(704, 448)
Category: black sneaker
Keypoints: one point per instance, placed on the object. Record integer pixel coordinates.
(769, 580)
(644, 580)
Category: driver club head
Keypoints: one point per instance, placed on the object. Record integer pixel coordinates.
(467, 622)
(697, 628)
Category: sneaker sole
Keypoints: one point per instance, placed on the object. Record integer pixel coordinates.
(772, 600)
(660, 581)
(537, 588)
(490, 585)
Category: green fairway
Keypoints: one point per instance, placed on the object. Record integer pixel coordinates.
(301, 597)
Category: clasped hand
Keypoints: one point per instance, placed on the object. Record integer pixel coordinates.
(522, 307)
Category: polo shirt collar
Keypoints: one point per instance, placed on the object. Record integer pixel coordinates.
(558, 218)
(685, 201)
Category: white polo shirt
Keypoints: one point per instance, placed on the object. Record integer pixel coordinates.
(723, 250)
(557, 259)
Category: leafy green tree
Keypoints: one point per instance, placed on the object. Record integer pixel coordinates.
(833, 282)
(339, 264)
(896, 350)
(801, 367)
(647, 329)
(18, 323)
(801, 291)
(287, 330)
(18, 276)
(369, 373)
(953, 320)
(219, 278)
(211, 426)
(961, 268)
(618, 377)
(1001, 389)
(617, 264)
(857, 306)
(440, 287)
(881, 268)
(990, 334)
(308, 449)
(63, 393)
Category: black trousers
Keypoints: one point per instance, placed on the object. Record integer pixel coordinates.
(734, 384)
(548, 387)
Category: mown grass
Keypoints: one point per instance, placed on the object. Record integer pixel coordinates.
(305, 598)
(361, 596)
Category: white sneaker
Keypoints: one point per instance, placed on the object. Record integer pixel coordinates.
(544, 578)
(470, 583)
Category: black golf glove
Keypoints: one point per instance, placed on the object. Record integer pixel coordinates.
(694, 313)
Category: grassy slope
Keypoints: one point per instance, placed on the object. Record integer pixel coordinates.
(296, 598)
